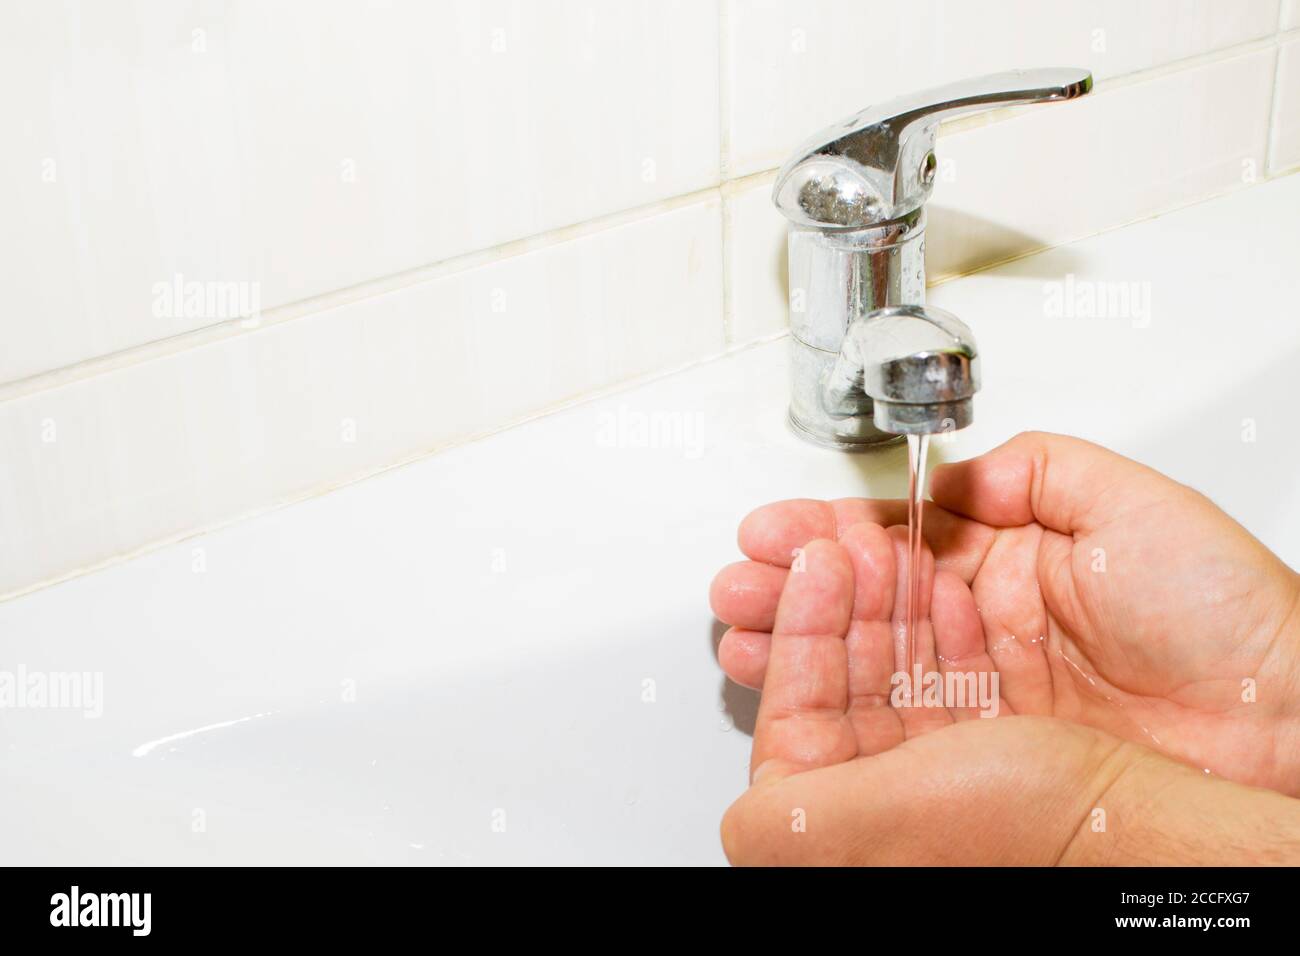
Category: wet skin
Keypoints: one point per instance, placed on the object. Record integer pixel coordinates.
(1128, 620)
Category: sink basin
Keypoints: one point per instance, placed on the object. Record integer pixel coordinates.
(504, 653)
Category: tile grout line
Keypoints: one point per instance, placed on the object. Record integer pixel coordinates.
(320, 489)
(349, 295)
(724, 150)
(724, 228)
(997, 116)
(1190, 62)
(1104, 86)
(1270, 135)
(1208, 197)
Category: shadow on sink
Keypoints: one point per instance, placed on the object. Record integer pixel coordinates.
(958, 244)
(739, 703)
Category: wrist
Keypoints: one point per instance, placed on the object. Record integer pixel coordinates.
(1156, 812)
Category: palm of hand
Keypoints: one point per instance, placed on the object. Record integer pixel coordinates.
(829, 747)
(1151, 615)
(1160, 624)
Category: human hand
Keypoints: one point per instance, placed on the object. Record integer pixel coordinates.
(828, 788)
(1107, 594)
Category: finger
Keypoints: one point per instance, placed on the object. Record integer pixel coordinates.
(957, 544)
(773, 533)
(918, 716)
(961, 651)
(1063, 483)
(870, 640)
(801, 718)
(1014, 618)
(743, 654)
(745, 594)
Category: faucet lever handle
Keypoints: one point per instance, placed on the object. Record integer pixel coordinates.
(879, 164)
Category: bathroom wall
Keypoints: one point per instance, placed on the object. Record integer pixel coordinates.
(256, 250)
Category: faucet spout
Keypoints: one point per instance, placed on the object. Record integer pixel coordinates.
(914, 370)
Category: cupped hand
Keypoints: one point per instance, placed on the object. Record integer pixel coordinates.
(1098, 589)
(835, 783)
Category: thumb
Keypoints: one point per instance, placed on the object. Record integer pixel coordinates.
(1066, 484)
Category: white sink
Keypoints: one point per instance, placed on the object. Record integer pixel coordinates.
(376, 674)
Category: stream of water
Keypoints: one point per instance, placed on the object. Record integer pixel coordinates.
(917, 447)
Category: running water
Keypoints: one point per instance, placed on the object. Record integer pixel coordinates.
(917, 446)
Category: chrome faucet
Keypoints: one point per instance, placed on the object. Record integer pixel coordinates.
(869, 361)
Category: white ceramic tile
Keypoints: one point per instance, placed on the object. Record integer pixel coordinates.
(795, 66)
(118, 460)
(757, 264)
(1290, 15)
(307, 145)
(1055, 173)
(1284, 150)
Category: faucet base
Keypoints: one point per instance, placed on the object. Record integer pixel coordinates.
(820, 437)
(847, 431)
